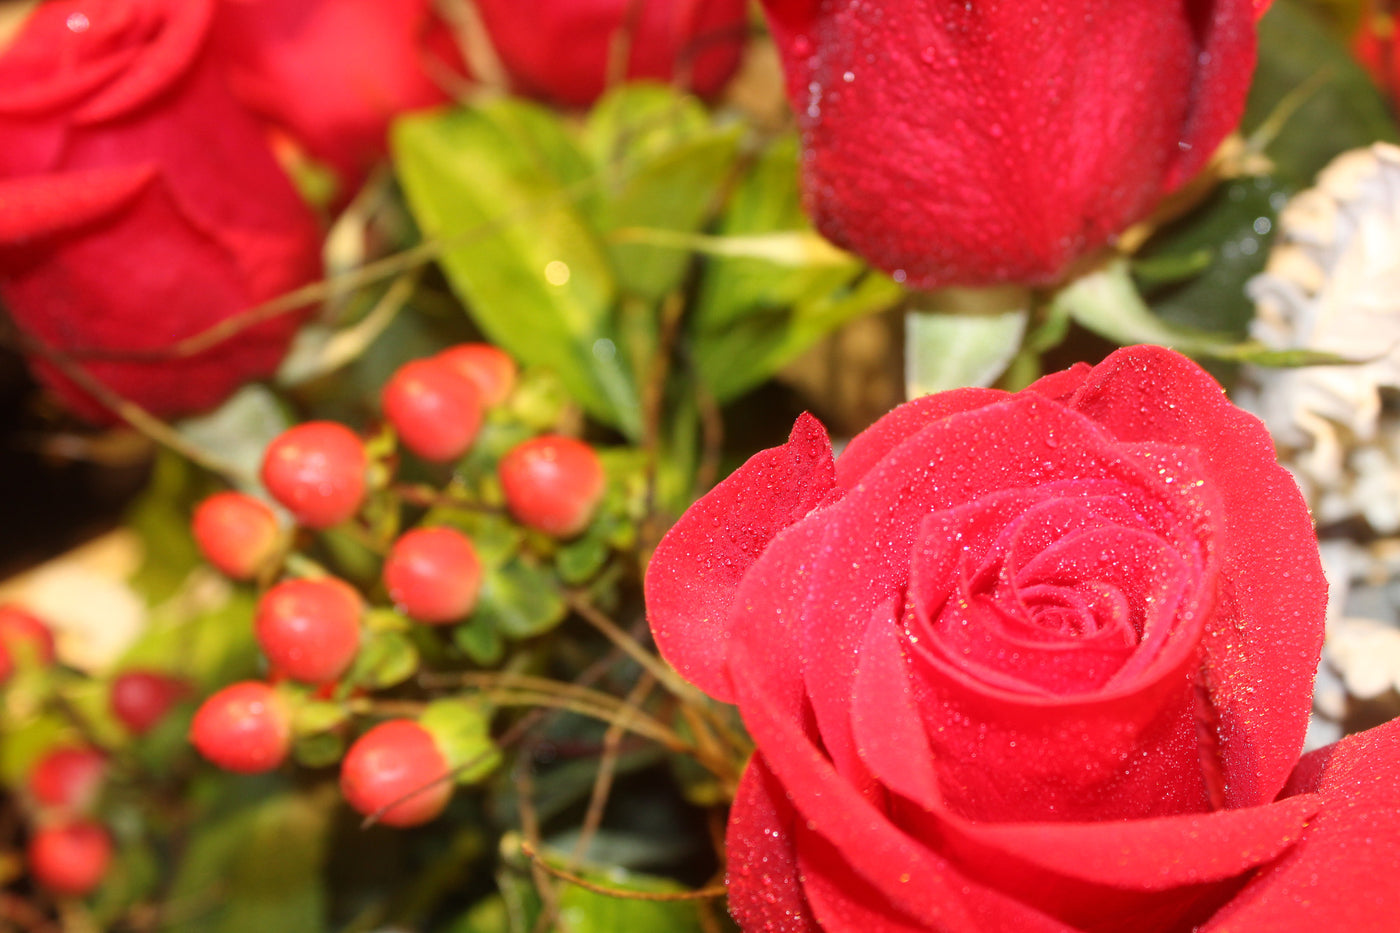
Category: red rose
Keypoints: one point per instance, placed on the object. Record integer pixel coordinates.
(966, 144)
(563, 50)
(141, 204)
(1030, 662)
(333, 73)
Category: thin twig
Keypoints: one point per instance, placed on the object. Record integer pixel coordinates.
(651, 663)
(607, 767)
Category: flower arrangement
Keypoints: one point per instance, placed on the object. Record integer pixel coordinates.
(465, 582)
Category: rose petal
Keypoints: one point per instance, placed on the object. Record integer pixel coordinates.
(1136, 855)
(917, 882)
(870, 446)
(1061, 385)
(183, 27)
(765, 892)
(46, 205)
(693, 575)
(888, 729)
(844, 903)
(1224, 64)
(1341, 876)
(1263, 639)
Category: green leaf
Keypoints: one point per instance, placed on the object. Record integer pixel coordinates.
(318, 716)
(762, 302)
(461, 730)
(520, 600)
(662, 163)
(499, 186)
(239, 430)
(318, 751)
(160, 516)
(578, 560)
(1169, 269)
(481, 641)
(386, 658)
(1107, 303)
(962, 337)
(738, 357)
(1231, 231)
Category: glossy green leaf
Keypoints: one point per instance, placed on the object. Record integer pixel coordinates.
(499, 186)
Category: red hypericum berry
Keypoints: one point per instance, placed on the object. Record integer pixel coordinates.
(396, 761)
(317, 470)
(310, 628)
(433, 575)
(70, 857)
(22, 635)
(487, 366)
(68, 778)
(435, 410)
(140, 699)
(553, 484)
(244, 728)
(236, 533)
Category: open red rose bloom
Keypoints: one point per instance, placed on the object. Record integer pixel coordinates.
(1034, 661)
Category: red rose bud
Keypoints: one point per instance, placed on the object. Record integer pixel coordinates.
(236, 533)
(396, 765)
(140, 699)
(562, 50)
(435, 410)
(969, 144)
(433, 575)
(70, 857)
(245, 728)
(317, 471)
(24, 639)
(553, 484)
(68, 778)
(331, 74)
(119, 239)
(1029, 661)
(489, 368)
(310, 629)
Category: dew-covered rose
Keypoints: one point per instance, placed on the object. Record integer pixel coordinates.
(140, 205)
(1034, 662)
(969, 143)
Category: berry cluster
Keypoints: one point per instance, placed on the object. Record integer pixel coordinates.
(331, 639)
(69, 847)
